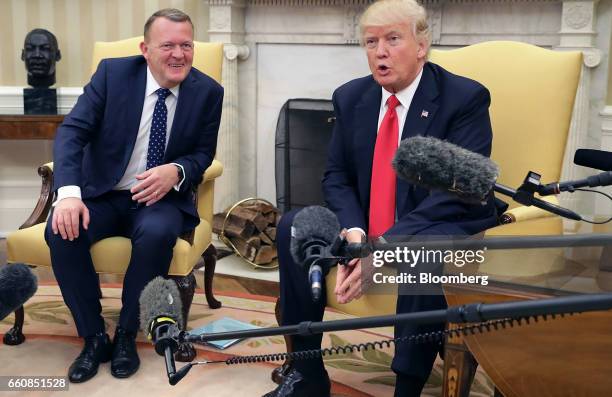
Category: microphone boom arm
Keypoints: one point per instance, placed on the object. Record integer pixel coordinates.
(525, 195)
(475, 312)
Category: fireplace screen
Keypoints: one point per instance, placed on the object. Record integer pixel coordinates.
(303, 132)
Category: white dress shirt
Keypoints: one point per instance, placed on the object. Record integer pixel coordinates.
(138, 159)
(405, 97)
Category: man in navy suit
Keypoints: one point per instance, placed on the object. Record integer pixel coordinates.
(127, 160)
(404, 96)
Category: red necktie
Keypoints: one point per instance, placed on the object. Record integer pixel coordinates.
(382, 187)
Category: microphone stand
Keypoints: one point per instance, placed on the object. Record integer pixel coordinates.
(469, 313)
(168, 340)
(525, 195)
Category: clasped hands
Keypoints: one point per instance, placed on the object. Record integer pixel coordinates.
(154, 184)
(349, 278)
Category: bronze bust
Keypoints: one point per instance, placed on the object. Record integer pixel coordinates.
(40, 53)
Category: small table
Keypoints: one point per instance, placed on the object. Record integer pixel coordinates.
(25, 126)
(566, 356)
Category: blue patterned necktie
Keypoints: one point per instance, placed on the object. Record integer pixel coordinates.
(157, 136)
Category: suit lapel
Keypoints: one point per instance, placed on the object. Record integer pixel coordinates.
(181, 115)
(135, 94)
(423, 108)
(420, 114)
(365, 136)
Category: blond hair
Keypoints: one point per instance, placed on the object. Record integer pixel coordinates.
(389, 12)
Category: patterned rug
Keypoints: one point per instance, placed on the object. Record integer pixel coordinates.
(52, 344)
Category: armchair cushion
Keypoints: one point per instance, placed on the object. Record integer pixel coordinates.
(110, 255)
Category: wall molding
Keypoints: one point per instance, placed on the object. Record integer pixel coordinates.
(606, 123)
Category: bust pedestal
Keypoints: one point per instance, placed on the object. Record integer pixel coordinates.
(39, 101)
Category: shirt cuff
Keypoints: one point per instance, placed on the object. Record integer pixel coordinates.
(363, 233)
(177, 187)
(66, 192)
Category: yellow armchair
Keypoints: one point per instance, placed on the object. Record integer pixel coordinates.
(112, 255)
(532, 97)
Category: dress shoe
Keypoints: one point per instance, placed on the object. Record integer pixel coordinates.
(97, 350)
(125, 361)
(297, 385)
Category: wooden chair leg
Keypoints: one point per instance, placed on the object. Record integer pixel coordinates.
(186, 286)
(15, 336)
(210, 261)
(279, 373)
(459, 368)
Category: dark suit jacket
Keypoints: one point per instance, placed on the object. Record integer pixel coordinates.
(94, 143)
(457, 112)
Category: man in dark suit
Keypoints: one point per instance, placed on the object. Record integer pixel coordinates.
(405, 96)
(127, 160)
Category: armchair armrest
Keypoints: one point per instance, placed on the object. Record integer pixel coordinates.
(43, 206)
(204, 199)
(206, 191)
(205, 196)
(215, 170)
(525, 213)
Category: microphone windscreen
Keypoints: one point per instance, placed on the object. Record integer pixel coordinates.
(160, 298)
(439, 165)
(17, 284)
(310, 223)
(598, 159)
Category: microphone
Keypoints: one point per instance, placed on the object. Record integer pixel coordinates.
(598, 159)
(602, 179)
(316, 245)
(314, 230)
(161, 318)
(17, 285)
(440, 165)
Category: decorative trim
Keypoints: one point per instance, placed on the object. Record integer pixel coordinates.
(307, 3)
(577, 23)
(591, 57)
(578, 16)
(606, 121)
(351, 24)
(233, 51)
(234, 3)
(434, 19)
(350, 3)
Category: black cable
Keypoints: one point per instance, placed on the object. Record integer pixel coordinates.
(602, 193)
(429, 337)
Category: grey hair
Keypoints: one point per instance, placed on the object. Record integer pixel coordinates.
(172, 14)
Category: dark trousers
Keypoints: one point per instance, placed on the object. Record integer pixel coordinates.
(153, 231)
(297, 305)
